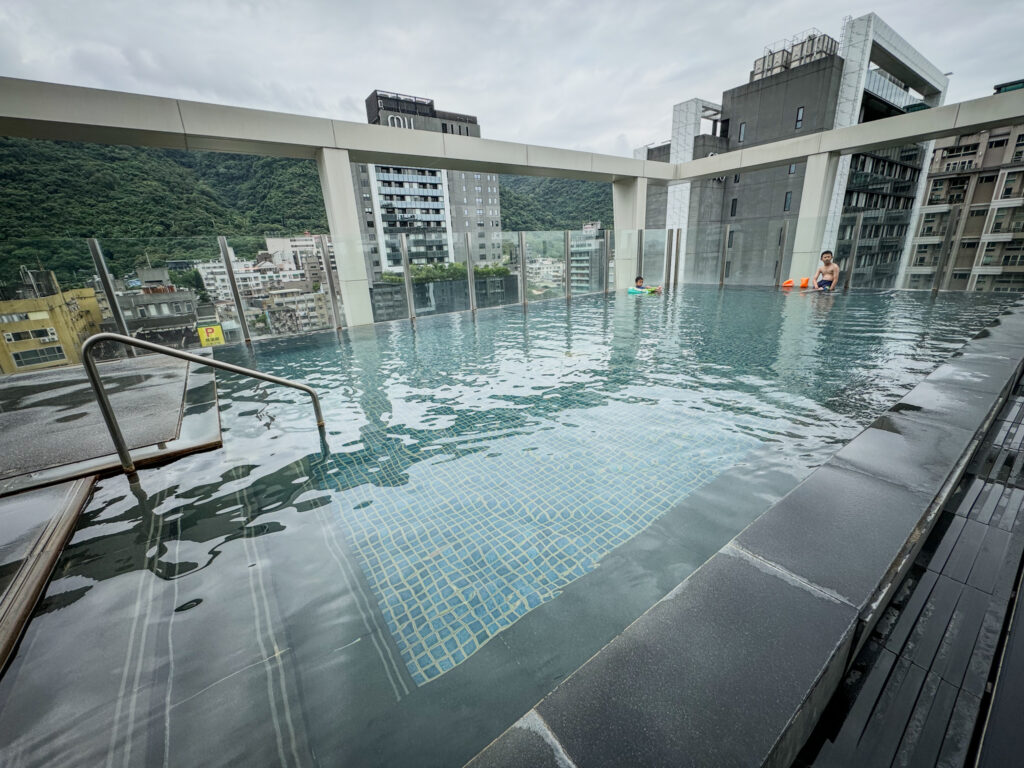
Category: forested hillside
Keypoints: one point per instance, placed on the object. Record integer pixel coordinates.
(533, 203)
(157, 204)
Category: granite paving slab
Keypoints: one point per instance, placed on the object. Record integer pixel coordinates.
(198, 430)
(22, 519)
(901, 450)
(58, 508)
(623, 706)
(808, 532)
(51, 418)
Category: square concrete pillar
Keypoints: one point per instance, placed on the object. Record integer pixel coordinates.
(343, 219)
(629, 203)
(819, 181)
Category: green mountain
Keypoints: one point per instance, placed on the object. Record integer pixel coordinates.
(537, 203)
(155, 204)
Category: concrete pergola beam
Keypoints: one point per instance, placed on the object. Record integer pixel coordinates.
(37, 110)
(951, 120)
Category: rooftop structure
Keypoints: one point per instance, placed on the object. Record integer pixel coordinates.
(970, 235)
(741, 227)
(435, 209)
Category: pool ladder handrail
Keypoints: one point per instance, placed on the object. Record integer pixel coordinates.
(108, 413)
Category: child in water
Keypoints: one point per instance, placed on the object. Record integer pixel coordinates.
(638, 286)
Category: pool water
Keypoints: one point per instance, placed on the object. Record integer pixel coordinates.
(502, 496)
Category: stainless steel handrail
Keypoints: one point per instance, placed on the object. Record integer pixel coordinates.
(108, 413)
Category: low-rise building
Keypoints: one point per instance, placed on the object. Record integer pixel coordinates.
(46, 331)
(294, 311)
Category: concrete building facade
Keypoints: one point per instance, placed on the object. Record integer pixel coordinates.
(741, 228)
(586, 259)
(436, 209)
(970, 234)
(47, 331)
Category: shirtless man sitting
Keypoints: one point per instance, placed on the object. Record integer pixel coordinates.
(829, 274)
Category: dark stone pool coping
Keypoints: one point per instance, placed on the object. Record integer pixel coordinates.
(735, 665)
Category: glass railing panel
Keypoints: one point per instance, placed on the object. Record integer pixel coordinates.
(611, 261)
(586, 261)
(440, 283)
(624, 265)
(545, 265)
(282, 285)
(387, 281)
(498, 282)
(655, 247)
(161, 291)
(51, 301)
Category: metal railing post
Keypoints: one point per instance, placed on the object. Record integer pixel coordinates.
(675, 269)
(108, 412)
(568, 266)
(470, 273)
(225, 254)
(409, 300)
(329, 270)
(666, 272)
(607, 258)
(108, 287)
(522, 267)
(639, 254)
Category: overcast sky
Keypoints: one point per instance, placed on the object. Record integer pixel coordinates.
(599, 76)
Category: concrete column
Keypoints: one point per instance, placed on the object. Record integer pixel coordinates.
(819, 180)
(343, 220)
(629, 203)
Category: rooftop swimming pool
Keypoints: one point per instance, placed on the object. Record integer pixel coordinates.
(502, 496)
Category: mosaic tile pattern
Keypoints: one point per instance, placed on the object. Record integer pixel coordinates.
(457, 550)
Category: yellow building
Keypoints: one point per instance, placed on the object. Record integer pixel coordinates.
(46, 332)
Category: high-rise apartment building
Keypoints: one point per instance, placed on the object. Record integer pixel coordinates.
(586, 258)
(970, 235)
(436, 209)
(740, 228)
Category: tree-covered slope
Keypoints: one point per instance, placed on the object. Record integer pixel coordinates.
(541, 203)
(154, 204)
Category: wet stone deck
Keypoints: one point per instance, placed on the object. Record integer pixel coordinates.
(919, 690)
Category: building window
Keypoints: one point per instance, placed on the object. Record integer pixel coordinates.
(743, 132)
(792, 168)
(37, 356)
(789, 201)
(997, 143)
(732, 207)
(729, 244)
(799, 117)
(728, 266)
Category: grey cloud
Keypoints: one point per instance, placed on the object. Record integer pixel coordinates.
(597, 75)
